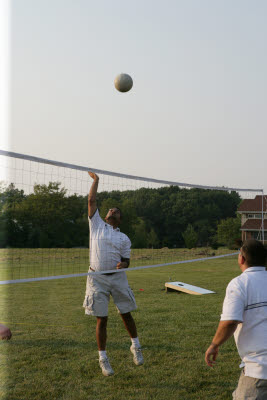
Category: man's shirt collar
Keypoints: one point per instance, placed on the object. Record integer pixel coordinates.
(254, 269)
(111, 227)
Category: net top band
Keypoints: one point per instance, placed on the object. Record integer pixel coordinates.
(119, 175)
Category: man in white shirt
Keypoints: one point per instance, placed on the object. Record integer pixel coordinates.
(245, 315)
(109, 249)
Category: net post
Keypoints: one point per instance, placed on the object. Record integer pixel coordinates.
(262, 216)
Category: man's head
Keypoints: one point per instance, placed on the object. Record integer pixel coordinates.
(252, 254)
(114, 216)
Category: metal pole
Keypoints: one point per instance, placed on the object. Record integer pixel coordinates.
(262, 217)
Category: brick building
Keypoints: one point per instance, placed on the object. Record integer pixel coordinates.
(251, 218)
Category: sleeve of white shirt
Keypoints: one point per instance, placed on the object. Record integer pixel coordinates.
(95, 222)
(126, 248)
(234, 302)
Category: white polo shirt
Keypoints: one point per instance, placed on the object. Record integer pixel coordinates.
(246, 301)
(107, 245)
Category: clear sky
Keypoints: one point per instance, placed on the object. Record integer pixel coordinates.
(197, 110)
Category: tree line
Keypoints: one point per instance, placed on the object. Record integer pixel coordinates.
(165, 217)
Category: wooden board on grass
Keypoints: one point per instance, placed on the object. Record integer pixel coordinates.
(185, 287)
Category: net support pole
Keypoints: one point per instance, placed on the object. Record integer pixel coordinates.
(262, 217)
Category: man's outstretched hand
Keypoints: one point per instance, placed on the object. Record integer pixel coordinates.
(94, 176)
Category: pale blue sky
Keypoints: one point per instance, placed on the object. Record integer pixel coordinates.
(197, 110)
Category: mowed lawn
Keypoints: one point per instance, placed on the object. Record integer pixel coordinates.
(53, 354)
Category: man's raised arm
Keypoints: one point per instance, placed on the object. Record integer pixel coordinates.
(92, 195)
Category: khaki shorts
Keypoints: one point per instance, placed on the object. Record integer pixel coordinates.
(250, 388)
(99, 288)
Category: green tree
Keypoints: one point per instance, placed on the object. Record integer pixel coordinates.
(10, 231)
(152, 239)
(190, 237)
(151, 217)
(139, 240)
(47, 218)
(228, 231)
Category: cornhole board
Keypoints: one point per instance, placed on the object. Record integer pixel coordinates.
(184, 287)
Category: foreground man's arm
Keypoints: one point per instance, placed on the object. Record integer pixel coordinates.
(224, 331)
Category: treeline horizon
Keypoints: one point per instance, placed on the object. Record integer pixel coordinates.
(165, 217)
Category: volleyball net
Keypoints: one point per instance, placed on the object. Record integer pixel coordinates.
(44, 218)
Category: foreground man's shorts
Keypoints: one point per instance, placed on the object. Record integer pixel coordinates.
(250, 388)
(98, 291)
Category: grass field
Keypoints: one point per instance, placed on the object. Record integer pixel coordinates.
(53, 355)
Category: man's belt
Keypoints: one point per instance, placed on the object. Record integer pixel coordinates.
(108, 273)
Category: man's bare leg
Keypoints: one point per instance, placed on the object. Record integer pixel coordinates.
(129, 324)
(101, 332)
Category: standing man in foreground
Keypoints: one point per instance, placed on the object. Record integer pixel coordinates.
(245, 315)
(109, 249)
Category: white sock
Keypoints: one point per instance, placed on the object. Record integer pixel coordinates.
(102, 354)
(135, 342)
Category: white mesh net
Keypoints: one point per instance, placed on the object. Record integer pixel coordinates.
(44, 220)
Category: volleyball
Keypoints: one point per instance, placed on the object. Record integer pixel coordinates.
(123, 83)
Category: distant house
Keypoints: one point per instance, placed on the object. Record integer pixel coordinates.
(251, 218)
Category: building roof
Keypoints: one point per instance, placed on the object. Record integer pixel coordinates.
(253, 205)
(253, 225)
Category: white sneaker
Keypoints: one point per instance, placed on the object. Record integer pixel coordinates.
(137, 355)
(106, 367)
